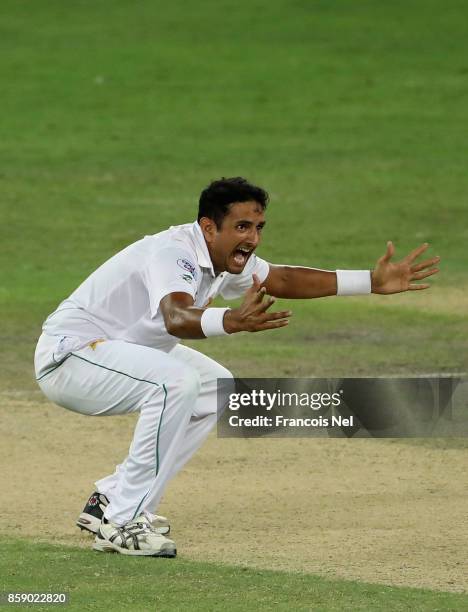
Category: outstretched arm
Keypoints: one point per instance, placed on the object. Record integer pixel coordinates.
(387, 277)
(300, 282)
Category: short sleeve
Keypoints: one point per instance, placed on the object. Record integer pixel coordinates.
(171, 270)
(236, 285)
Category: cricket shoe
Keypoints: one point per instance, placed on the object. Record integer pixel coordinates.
(135, 538)
(91, 517)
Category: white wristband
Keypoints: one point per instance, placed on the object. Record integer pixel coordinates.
(212, 322)
(353, 282)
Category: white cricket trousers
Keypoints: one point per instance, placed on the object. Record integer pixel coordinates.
(175, 394)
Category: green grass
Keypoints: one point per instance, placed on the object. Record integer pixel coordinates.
(114, 118)
(97, 581)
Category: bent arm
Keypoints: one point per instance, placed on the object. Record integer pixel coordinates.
(181, 317)
(184, 320)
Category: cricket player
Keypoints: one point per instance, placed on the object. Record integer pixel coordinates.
(113, 346)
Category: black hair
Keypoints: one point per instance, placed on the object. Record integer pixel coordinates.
(216, 199)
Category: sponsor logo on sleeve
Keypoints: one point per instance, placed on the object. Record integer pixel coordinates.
(185, 264)
(187, 278)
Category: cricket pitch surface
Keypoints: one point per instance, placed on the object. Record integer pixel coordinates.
(381, 511)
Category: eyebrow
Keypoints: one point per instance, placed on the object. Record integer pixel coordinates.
(247, 222)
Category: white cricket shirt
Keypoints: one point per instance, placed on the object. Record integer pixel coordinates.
(120, 300)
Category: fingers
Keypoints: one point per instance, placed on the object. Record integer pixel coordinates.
(256, 283)
(272, 320)
(425, 264)
(255, 309)
(273, 325)
(266, 304)
(256, 290)
(389, 252)
(258, 297)
(418, 287)
(417, 252)
(274, 316)
(421, 275)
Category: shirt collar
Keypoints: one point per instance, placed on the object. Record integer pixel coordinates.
(203, 254)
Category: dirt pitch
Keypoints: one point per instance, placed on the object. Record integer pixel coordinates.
(377, 511)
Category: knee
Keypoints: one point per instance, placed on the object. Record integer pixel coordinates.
(225, 386)
(222, 377)
(225, 374)
(188, 381)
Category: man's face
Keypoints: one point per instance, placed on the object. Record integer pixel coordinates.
(231, 246)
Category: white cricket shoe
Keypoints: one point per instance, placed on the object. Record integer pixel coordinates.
(91, 517)
(136, 538)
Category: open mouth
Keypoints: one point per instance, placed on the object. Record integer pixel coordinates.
(241, 255)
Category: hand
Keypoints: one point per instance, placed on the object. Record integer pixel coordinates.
(391, 277)
(252, 314)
